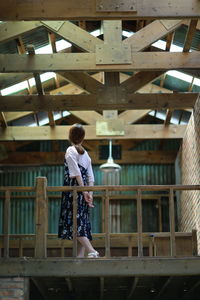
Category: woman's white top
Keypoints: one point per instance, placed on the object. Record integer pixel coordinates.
(73, 158)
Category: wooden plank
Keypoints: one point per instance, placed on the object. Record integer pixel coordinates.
(11, 30)
(76, 35)
(190, 34)
(83, 80)
(41, 218)
(6, 222)
(107, 225)
(91, 102)
(172, 223)
(151, 33)
(169, 41)
(16, 133)
(139, 222)
(77, 10)
(75, 223)
(141, 61)
(54, 267)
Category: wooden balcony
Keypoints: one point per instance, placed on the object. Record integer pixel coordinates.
(157, 261)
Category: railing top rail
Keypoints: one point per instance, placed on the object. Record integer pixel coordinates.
(17, 188)
(103, 188)
(123, 188)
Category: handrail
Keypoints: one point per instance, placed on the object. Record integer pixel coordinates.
(123, 188)
(42, 189)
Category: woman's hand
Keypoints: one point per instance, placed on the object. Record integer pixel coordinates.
(88, 198)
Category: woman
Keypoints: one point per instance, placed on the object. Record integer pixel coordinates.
(78, 171)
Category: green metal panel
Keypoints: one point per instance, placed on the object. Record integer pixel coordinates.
(22, 210)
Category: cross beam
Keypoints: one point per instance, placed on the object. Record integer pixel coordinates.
(97, 10)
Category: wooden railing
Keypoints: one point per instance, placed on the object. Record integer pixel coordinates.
(41, 217)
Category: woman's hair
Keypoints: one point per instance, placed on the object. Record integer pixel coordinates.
(76, 136)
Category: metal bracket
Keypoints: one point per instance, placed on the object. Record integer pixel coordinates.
(116, 5)
(110, 127)
(113, 54)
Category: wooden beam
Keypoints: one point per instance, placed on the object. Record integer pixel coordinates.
(56, 158)
(132, 116)
(67, 10)
(39, 87)
(144, 61)
(168, 116)
(190, 34)
(21, 133)
(89, 117)
(11, 30)
(83, 80)
(3, 122)
(149, 34)
(138, 80)
(75, 35)
(31, 52)
(169, 41)
(99, 268)
(89, 102)
(41, 218)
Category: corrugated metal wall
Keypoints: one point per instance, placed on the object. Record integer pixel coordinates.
(22, 210)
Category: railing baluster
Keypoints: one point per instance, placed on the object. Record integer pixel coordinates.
(107, 225)
(172, 223)
(6, 223)
(41, 216)
(75, 205)
(139, 222)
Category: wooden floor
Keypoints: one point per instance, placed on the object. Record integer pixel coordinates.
(120, 278)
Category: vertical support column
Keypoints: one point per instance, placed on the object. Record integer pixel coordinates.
(107, 225)
(6, 223)
(172, 223)
(41, 217)
(74, 223)
(139, 222)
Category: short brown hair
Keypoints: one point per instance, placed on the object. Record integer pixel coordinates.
(76, 134)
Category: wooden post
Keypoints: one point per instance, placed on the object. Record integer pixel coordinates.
(172, 223)
(6, 223)
(74, 223)
(194, 242)
(139, 222)
(107, 225)
(160, 215)
(41, 217)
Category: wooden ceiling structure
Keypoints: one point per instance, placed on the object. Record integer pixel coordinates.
(94, 78)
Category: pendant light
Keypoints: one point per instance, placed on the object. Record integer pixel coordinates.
(110, 166)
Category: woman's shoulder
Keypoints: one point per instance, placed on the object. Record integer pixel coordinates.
(71, 150)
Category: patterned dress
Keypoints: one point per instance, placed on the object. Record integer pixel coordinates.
(65, 230)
